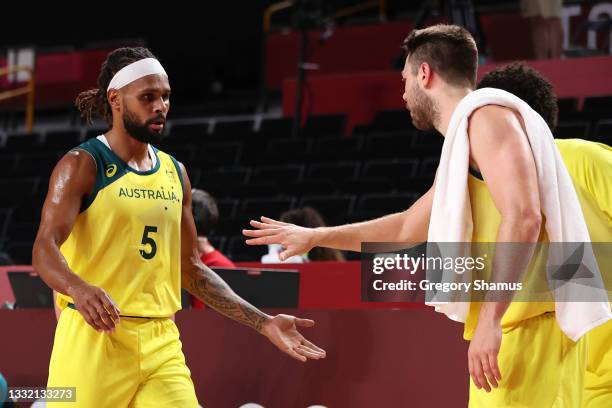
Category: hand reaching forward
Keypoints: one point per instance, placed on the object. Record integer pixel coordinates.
(282, 331)
(295, 240)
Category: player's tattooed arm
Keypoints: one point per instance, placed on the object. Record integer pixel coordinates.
(205, 284)
(202, 282)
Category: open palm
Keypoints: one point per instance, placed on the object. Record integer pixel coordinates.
(282, 331)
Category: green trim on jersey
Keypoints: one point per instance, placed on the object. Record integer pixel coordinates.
(108, 168)
(178, 170)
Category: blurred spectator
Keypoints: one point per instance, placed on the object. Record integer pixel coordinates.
(304, 217)
(206, 215)
(546, 31)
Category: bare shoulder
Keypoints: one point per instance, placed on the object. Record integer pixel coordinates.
(76, 168)
(493, 120)
(492, 115)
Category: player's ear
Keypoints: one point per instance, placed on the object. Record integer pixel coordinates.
(114, 100)
(425, 74)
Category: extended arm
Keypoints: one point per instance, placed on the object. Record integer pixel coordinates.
(409, 226)
(205, 284)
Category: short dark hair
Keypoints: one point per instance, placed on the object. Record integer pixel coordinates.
(529, 85)
(205, 211)
(94, 102)
(449, 49)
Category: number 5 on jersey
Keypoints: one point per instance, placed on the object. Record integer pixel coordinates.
(147, 240)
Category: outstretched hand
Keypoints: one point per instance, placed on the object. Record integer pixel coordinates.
(282, 331)
(294, 239)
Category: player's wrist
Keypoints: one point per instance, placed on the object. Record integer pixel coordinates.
(317, 236)
(492, 313)
(74, 286)
(263, 327)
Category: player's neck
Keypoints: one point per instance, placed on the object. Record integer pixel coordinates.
(447, 102)
(130, 150)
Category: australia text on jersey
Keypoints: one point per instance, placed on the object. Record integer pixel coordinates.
(143, 193)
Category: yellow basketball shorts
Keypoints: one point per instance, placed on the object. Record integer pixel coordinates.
(598, 377)
(540, 367)
(141, 364)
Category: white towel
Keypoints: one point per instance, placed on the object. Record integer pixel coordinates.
(451, 214)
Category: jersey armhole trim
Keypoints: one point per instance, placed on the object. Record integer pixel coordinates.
(179, 171)
(89, 198)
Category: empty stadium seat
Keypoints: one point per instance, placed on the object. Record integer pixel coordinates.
(308, 186)
(227, 208)
(281, 174)
(269, 207)
(17, 190)
(224, 181)
(376, 205)
(218, 155)
(335, 148)
(193, 133)
(35, 164)
(397, 144)
(600, 106)
(238, 251)
(287, 151)
(339, 171)
(24, 232)
(429, 165)
(393, 119)
(183, 153)
(603, 132)
(572, 130)
(20, 252)
(568, 108)
(391, 169)
(22, 142)
(233, 130)
(334, 209)
(324, 125)
(276, 128)
(5, 219)
(62, 140)
(366, 185)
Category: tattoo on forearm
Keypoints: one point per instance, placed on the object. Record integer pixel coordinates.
(213, 291)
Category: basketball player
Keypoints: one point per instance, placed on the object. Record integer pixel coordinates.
(590, 166)
(540, 365)
(117, 240)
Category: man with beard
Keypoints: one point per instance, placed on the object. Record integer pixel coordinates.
(538, 364)
(117, 240)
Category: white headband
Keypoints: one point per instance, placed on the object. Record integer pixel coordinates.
(134, 71)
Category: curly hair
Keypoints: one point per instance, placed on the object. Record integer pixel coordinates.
(94, 101)
(529, 85)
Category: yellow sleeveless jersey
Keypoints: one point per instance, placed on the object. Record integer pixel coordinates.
(127, 237)
(590, 167)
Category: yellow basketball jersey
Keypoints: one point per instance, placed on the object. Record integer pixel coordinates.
(127, 237)
(590, 167)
